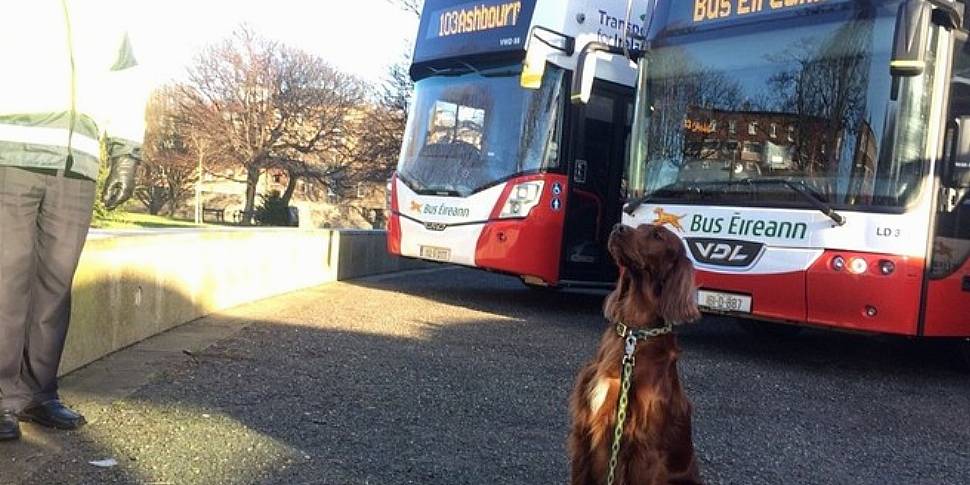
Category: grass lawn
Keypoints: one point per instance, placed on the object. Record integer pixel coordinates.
(131, 220)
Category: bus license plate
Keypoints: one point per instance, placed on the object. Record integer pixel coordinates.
(435, 253)
(724, 302)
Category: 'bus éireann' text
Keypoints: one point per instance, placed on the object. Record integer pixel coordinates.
(707, 10)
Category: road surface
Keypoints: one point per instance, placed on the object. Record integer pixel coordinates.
(462, 377)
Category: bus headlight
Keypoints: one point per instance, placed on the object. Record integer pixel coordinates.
(522, 199)
(858, 266)
(838, 263)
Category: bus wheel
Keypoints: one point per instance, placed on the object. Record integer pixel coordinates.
(768, 329)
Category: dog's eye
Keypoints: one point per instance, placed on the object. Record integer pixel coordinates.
(658, 236)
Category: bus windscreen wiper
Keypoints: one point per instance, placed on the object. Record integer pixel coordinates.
(807, 194)
(632, 205)
(451, 72)
(801, 189)
(798, 187)
(466, 68)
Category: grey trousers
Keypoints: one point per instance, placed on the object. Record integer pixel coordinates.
(44, 221)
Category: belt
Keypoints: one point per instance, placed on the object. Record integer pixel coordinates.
(53, 172)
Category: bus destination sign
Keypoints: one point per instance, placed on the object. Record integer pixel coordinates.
(710, 10)
(451, 29)
(471, 18)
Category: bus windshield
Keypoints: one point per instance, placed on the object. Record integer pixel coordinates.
(473, 129)
(805, 100)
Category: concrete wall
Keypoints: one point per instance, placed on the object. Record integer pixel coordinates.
(133, 287)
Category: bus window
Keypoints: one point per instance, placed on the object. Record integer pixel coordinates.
(473, 130)
(808, 102)
(453, 122)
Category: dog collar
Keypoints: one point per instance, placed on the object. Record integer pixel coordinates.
(642, 334)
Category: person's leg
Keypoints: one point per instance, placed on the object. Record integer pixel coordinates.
(21, 193)
(62, 224)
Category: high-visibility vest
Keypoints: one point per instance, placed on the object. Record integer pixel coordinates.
(67, 85)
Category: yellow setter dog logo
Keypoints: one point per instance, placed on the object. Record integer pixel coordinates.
(415, 207)
(669, 219)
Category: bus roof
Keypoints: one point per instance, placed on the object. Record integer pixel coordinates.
(684, 17)
(471, 31)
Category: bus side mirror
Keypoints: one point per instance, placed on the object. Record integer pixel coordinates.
(912, 27)
(533, 68)
(582, 88)
(909, 45)
(957, 174)
(542, 42)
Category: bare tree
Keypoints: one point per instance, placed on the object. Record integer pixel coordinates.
(382, 128)
(168, 171)
(679, 86)
(413, 6)
(318, 142)
(265, 105)
(825, 86)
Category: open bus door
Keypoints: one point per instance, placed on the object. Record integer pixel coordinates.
(600, 140)
(946, 309)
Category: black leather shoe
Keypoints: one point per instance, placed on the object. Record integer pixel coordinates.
(9, 426)
(53, 414)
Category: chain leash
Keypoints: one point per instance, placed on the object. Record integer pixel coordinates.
(631, 337)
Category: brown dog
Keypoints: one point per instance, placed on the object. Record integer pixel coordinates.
(655, 289)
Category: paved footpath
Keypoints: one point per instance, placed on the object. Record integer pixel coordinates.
(462, 377)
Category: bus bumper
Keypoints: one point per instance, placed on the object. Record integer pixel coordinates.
(881, 296)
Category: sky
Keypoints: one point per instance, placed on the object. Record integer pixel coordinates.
(361, 37)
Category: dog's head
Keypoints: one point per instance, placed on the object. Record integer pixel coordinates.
(654, 269)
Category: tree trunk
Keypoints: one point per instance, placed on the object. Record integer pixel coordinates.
(252, 180)
(290, 187)
(176, 196)
(171, 202)
(156, 200)
(151, 201)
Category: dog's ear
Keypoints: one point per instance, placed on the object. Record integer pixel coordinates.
(678, 295)
(611, 306)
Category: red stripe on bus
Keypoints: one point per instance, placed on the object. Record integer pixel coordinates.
(529, 246)
(394, 222)
(779, 296)
(870, 301)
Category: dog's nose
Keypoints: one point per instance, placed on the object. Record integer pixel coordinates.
(620, 227)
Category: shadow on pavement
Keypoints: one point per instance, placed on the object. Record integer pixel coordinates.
(459, 377)
(288, 404)
(495, 294)
(813, 347)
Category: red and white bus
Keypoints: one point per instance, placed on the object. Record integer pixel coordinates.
(498, 169)
(814, 156)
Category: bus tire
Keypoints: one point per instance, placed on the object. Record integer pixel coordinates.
(768, 329)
